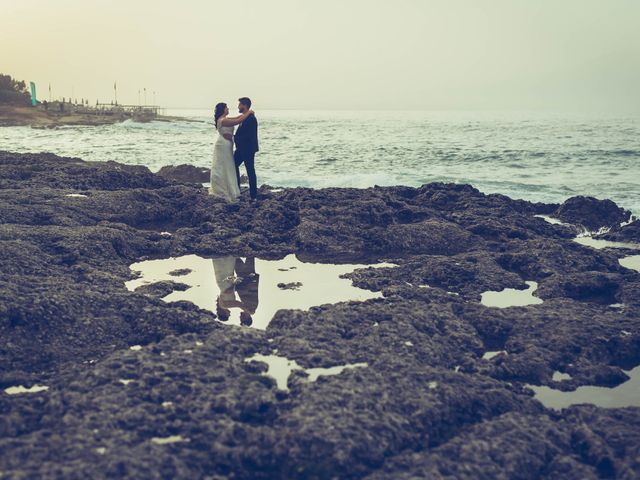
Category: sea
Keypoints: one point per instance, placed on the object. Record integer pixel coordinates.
(537, 156)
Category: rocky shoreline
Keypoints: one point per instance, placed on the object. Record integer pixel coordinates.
(186, 403)
(15, 116)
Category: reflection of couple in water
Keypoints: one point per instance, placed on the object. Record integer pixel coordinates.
(235, 276)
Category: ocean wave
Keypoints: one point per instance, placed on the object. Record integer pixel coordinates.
(543, 159)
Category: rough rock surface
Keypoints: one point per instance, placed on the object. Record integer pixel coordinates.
(627, 233)
(185, 173)
(187, 404)
(591, 212)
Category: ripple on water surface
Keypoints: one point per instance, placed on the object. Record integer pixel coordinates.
(249, 291)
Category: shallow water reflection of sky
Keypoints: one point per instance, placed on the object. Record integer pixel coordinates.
(511, 297)
(626, 394)
(249, 291)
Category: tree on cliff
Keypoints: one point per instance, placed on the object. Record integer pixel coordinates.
(13, 92)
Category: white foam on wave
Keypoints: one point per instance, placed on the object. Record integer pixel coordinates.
(353, 180)
(325, 147)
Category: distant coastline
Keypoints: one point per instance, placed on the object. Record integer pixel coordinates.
(38, 117)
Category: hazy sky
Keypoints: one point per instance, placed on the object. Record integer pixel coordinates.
(348, 54)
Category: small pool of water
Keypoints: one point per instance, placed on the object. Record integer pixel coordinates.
(560, 376)
(493, 354)
(552, 220)
(249, 291)
(280, 368)
(19, 389)
(632, 262)
(169, 440)
(599, 244)
(511, 297)
(626, 394)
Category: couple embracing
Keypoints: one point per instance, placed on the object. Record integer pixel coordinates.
(225, 171)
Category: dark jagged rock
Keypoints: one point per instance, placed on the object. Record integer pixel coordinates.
(591, 212)
(290, 286)
(161, 289)
(422, 403)
(185, 173)
(626, 233)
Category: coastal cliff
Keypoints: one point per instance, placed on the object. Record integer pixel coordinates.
(429, 403)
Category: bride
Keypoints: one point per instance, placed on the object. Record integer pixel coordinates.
(224, 182)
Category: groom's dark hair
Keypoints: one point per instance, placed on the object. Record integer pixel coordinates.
(245, 101)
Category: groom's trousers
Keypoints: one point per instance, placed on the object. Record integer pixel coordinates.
(248, 159)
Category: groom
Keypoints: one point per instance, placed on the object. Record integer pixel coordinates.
(246, 139)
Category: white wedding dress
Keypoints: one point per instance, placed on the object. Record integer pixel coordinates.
(224, 182)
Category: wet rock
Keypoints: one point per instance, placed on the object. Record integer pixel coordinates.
(430, 236)
(577, 448)
(27, 170)
(591, 212)
(427, 403)
(627, 233)
(595, 287)
(185, 173)
(180, 272)
(161, 289)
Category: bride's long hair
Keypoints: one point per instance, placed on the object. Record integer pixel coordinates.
(219, 112)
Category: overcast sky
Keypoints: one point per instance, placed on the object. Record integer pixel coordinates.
(348, 54)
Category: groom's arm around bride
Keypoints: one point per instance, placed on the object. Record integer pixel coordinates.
(246, 140)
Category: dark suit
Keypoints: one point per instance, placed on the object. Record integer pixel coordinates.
(246, 139)
(249, 284)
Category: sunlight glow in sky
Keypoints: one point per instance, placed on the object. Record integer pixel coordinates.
(332, 54)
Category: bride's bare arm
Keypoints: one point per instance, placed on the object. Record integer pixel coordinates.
(233, 121)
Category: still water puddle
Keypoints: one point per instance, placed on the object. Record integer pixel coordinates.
(511, 297)
(626, 394)
(559, 376)
(599, 244)
(493, 354)
(552, 220)
(632, 262)
(169, 440)
(249, 291)
(21, 389)
(280, 368)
